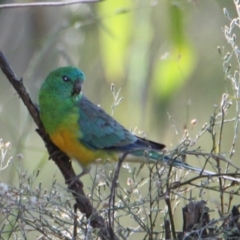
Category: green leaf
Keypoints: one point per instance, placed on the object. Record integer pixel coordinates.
(176, 65)
(173, 71)
(115, 32)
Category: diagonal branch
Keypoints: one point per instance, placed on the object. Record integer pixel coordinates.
(61, 160)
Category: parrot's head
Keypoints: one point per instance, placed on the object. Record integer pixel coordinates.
(65, 82)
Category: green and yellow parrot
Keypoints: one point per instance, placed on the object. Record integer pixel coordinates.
(87, 133)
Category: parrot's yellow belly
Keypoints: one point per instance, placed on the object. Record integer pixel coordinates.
(70, 144)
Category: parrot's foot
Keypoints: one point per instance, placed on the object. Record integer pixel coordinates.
(71, 181)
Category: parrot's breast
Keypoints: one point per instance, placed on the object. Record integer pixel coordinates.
(69, 143)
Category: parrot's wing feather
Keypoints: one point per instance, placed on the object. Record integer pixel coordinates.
(100, 130)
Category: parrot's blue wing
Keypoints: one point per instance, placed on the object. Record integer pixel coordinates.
(100, 131)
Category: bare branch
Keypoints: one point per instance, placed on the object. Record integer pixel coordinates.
(46, 4)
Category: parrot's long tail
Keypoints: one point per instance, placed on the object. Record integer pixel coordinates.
(154, 157)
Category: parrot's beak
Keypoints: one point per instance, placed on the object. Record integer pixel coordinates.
(77, 87)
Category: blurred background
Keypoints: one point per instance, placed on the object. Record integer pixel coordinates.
(162, 54)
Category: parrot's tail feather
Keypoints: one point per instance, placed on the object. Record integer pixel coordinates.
(154, 157)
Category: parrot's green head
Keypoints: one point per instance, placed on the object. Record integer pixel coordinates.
(59, 94)
(64, 83)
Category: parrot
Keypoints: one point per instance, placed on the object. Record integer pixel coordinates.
(86, 133)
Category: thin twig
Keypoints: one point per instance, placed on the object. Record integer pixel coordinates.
(170, 213)
(45, 4)
(211, 155)
(112, 193)
(168, 202)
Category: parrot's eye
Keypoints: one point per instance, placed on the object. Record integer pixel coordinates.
(65, 78)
